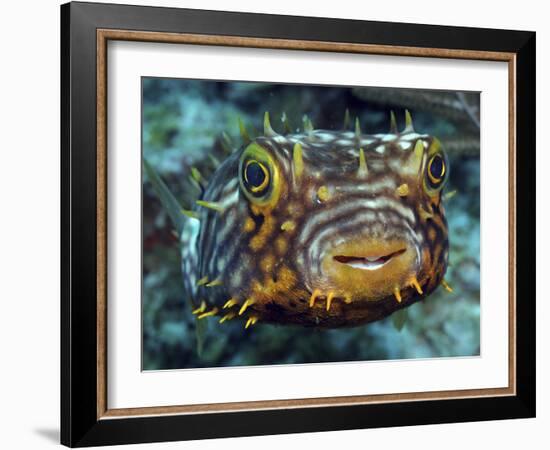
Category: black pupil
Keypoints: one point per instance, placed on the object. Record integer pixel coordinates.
(255, 174)
(436, 167)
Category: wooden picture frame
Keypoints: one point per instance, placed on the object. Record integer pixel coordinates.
(86, 418)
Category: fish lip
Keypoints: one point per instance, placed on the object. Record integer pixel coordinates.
(368, 262)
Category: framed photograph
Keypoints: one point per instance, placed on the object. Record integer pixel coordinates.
(276, 224)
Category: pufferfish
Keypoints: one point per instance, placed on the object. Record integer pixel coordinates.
(316, 228)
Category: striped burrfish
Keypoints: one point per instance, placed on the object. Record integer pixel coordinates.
(316, 227)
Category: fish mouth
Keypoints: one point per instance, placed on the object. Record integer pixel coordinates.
(367, 268)
(369, 262)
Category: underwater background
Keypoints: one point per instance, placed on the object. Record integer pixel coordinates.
(183, 125)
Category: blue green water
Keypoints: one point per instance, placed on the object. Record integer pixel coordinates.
(182, 120)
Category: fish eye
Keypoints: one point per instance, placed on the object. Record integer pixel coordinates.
(256, 177)
(259, 176)
(436, 171)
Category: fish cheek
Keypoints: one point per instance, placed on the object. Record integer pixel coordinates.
(435, 249)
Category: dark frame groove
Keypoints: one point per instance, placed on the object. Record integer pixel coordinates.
(80, 425)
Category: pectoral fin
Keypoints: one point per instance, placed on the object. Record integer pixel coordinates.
(399, 318)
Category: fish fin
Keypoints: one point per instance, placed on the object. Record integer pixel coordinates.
(226, 143)
(200, 331)
(169, 202)
(399, 318)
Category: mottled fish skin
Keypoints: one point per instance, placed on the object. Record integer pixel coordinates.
(299, 257)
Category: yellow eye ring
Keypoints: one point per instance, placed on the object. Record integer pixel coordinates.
(251, 164)
(440, 171)
(259, 176)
